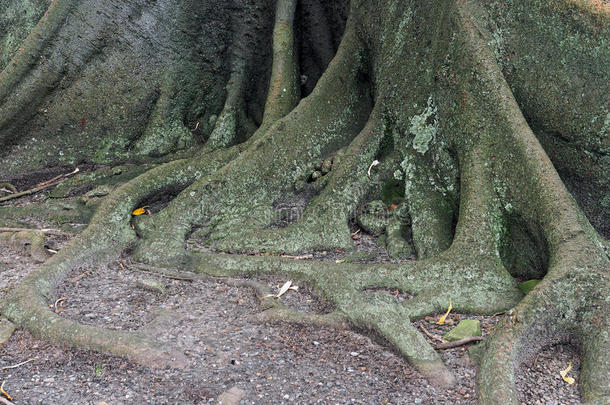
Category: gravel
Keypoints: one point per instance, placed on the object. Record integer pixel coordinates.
(228, 348)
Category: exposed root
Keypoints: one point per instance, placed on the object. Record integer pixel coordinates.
(106, 236)
(324, 222)
(45, 231)
(261, 169)
(430, 210)
(284, 87)
(27, 308)
(342, 284)
(578, 268)
(36, 42)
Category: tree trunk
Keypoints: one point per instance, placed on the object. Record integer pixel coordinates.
(474, 108)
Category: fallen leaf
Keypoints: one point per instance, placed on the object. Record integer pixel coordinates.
(564, 373)
(340, 261)
(393, 207)
(139, 211)
(287, 286)
(442, 318)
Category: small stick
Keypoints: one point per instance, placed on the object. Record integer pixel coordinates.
(430, 335)
(460, 342)
(49, 231)
(39, 187)
(77, 278)
(58, 301)
(8, 187)
(2, 392)
(301, 257)
(19, 364)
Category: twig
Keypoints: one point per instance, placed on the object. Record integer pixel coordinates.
(58, 301)
(77, 278)
(301, 257)
(3, 392)
(19, 364)
(460, 342)
(8, 187)
(430, 335)
(41, 186)
(49, 231)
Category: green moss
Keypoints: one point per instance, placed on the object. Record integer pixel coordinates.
(527, 286)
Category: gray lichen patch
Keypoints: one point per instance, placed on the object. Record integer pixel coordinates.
(424, 127)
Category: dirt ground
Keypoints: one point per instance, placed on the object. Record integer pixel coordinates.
(227, 346)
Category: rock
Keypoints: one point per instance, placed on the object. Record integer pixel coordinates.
(528, 286)
(151, 285)
(464, 329)
(6, 330)
(231, 397)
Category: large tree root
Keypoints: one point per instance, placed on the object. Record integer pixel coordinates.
(560, 306)
(482, 138)
(260, 176)
(324, 223)
(107, 235)
(344, 284)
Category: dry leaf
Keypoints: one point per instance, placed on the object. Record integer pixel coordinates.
(564, 373)
(287, 286)
(139, 211)
(340, 261)
(444, 317)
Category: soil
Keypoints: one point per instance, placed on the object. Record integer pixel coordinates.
(227, 346)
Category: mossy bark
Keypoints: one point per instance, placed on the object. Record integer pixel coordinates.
(462, 102)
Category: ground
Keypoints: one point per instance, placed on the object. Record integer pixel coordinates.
(272, 362)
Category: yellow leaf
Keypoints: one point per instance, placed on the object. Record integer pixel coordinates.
(139, 211)
(564, 373)
(444, 317)
(340, 261)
